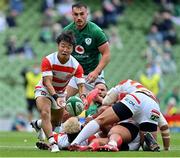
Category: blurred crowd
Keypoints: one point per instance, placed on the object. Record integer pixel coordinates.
(161, 38)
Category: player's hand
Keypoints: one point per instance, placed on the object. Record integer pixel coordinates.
(90, 97)
(88, 119)
(61, 102)
(85, 102)
(92, 76)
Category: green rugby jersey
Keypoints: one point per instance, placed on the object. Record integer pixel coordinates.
(87, 42)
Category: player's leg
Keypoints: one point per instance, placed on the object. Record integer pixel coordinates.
(149, 137)
(112, 115)
(44, 107)
(56, 117)
(93, 126)
(122, 134)
(148, 121)
(117, 135)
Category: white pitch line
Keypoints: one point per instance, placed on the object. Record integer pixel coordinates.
(18, 147)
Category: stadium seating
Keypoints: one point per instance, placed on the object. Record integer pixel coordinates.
(125, 62)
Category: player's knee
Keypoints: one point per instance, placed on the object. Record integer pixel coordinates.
(113, 130)
(101, 121)
(45, 114)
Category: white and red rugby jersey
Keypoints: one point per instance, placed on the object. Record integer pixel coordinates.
(62, 73)
(129, 86)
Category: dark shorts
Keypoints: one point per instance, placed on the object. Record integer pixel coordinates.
(31, 105)
(133, 129)
(122, 111)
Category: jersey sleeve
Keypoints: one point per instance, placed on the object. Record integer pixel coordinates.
(46, 68)
(101, 37)
(79, 75)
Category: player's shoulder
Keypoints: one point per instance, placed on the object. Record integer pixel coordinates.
(51, 57)
(73, 60)
(94, 26)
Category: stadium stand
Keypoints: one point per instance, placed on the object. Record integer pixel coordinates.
(125, 63)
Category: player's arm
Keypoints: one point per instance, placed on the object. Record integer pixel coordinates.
(165, 133)
(105, 59)
(47, 75)
(47, 81)
(80, 83)
(105, 52)
(111, 97)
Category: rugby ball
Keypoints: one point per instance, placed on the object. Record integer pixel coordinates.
(74, 106)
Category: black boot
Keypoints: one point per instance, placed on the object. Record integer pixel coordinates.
(150, 143)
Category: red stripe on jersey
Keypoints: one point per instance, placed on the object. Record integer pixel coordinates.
(122, 82)
(58, 80)
(121, 96)
(62, 68)
(79, 72)
(60, 88)
(45, 65)
(133, 82)
(155, 111)
(139, 86)
(135, 98)
(37, 87)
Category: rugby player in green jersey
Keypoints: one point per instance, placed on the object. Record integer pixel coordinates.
(91, 50)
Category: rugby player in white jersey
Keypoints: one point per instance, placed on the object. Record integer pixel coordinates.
(138, 103)
(57, 70)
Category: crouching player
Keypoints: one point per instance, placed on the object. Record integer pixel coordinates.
(71, 128)
(125, 136)
(138, 103)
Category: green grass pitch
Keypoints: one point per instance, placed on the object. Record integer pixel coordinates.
(19, 144)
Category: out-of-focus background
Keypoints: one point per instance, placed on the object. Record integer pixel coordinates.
(145, 45)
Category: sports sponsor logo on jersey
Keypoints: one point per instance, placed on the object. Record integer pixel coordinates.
(88, 41)
(79, 49)
(129, 101)
(155, 115)
(43, 93)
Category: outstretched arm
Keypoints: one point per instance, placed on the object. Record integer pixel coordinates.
(105, 52)
(165, 133)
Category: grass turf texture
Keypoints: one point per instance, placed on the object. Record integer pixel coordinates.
(20, 144)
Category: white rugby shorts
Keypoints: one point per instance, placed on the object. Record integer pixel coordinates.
(143, 107)
(43, 92)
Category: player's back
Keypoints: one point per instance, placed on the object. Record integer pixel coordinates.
(130, 86)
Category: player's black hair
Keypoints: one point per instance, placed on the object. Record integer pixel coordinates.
(101, 83)
(67, 36)
(79, 5)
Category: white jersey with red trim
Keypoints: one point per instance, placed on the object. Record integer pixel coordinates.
(130, 86)
(62, 73)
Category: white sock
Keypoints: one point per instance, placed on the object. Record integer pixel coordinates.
(51, 140)
(39, 123)
(113, 143)
(91, 128)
